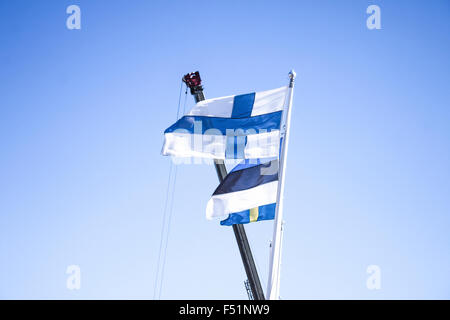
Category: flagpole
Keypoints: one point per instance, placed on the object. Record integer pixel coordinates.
(193, 81)
(273, 284)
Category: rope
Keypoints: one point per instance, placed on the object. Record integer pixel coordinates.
(185, 97)
(173, 193)
(164, 240)
(167, 235)
(162, 234)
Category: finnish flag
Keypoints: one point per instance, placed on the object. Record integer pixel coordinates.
(243, 126)
(247, 194)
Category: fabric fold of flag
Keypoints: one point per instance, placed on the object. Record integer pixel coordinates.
(247, 194)
(243, 126)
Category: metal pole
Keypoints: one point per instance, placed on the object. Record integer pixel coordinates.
(239, 231)
(273, 284)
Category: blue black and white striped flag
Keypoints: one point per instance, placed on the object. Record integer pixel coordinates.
(247, 194)
(243, 126)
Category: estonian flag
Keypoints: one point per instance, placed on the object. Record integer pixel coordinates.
(247, 194)
(243, 126)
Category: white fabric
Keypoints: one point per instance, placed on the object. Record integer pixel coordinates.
(262, 145)
(217, 107)
(265, 102)
(223, 204)
(179, 144)
(269, 101)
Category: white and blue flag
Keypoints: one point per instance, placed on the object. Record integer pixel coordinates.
(247, 194)
(243, 126)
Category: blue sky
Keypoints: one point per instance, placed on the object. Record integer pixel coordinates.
(82, 115)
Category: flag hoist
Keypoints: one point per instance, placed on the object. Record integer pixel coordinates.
(254, 127)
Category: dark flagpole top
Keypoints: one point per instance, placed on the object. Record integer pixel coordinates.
(193, 82)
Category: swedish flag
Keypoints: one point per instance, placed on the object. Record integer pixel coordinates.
(266, 212)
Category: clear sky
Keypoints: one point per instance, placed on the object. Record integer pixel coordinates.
(82, 115)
